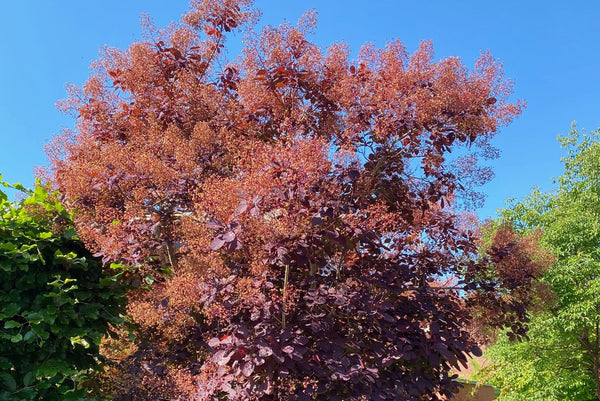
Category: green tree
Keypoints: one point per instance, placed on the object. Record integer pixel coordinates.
(55, 302)
(560, 361)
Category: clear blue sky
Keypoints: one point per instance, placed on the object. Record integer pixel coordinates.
(549, 48)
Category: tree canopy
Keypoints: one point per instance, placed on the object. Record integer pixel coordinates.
(560, 360)
(292, 215)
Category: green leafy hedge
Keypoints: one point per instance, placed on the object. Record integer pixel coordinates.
(55, 302)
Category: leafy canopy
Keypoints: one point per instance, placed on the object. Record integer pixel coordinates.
(294, 212)
(560, 360)
(55, 302)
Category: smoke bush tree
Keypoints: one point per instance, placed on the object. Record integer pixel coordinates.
(290, 214)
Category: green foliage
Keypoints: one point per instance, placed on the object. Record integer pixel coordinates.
(55, 302)
(559, 362)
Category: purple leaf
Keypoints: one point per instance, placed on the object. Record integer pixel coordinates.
(234, 245)
(216, 244)
(242, 207)
(353, 174)
(301, 340)
(248, 368)
(265, 351)
(215, 224)
(315, 221)
(221, 357)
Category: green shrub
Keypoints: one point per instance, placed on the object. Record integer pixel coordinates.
(56, 303)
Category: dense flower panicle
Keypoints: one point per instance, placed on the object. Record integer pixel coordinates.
(290, 212)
